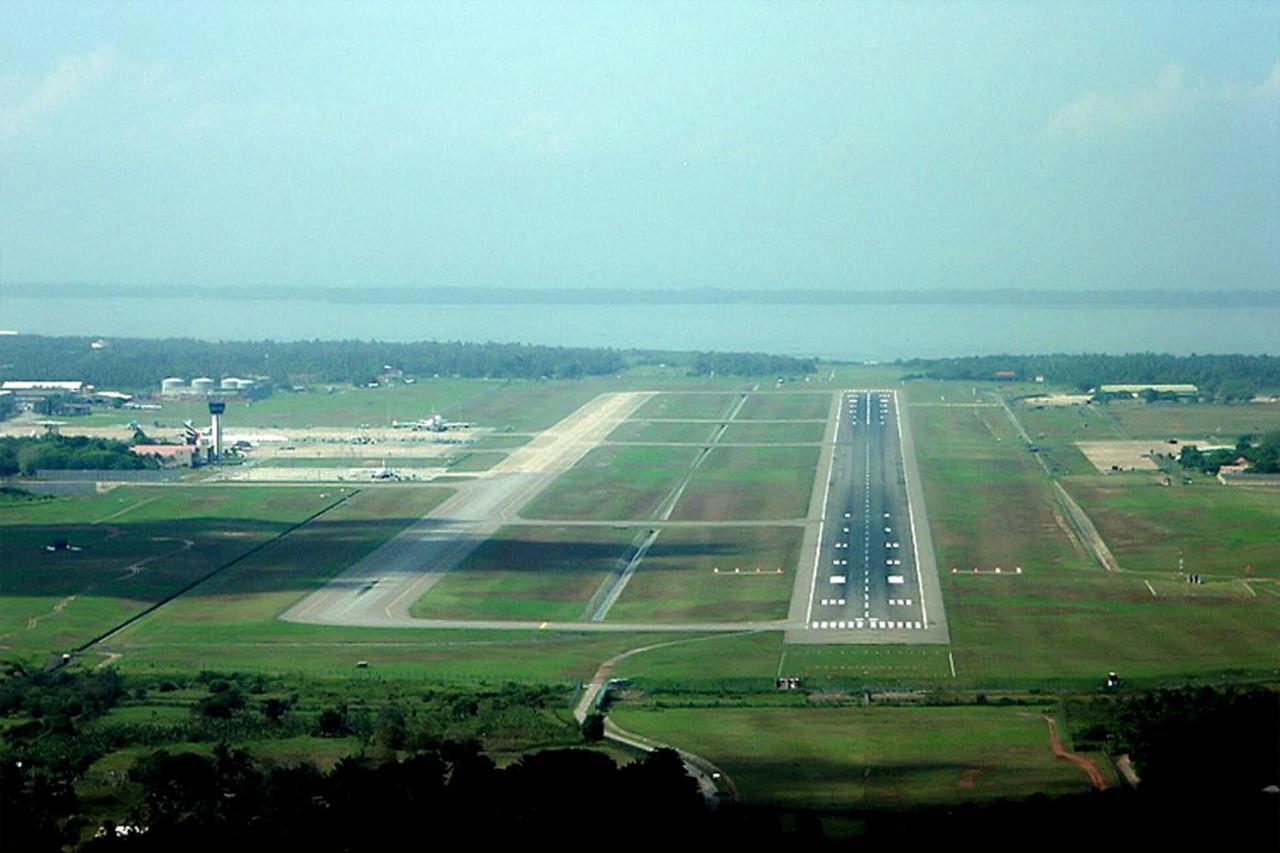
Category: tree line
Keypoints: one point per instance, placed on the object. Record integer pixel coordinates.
(1222, 377)
(1263, 456)
(27, 454)
(140, 363)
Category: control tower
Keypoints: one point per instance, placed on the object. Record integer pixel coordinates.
(216, 408)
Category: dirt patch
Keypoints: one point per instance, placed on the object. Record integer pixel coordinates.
(1096, 779)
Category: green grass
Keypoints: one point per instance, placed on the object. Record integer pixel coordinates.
(1064, 622)
(677, 582)
(748, 663)
(1216, 529)
(1194, 420)
(471, 460)
(774, 406)
(136, 555)
(679, 406)
(499, 441)
(541, 573)
(800, 432)
(614, 482)
(747, 483)
(661, 431)
(242, 603)
(868, 758)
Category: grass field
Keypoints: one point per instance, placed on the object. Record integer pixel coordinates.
(660, 431)
(1063, 621)
(470, 460)
(773, 406)
(677, 581)
(747, 483)
(1216, 529)
(235, 604)
(679, 406)
(614, 482)
(1194, 420)
(500, 441)
(873, 758)
(801, 432)
(134, 551)
(546, 573)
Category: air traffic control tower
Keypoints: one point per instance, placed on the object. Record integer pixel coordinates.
(216, 408)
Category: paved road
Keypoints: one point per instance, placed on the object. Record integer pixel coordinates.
(873, 578)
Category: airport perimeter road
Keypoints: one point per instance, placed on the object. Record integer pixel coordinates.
(873, 578)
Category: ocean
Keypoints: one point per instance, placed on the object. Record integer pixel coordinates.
(844, 332)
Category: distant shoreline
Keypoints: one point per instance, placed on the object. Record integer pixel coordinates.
(693, 296)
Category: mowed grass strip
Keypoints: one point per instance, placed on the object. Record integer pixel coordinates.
(137, 555)
(614, 482)
(780, 406)
(873, 758)
(678, 406)
(989, 502)
(1070, 630)
(800, 432)
(1212, 528)
(677, 580)
(750, 662)
(543, 573)
(474, 460)
(660, 431)
(750, 483)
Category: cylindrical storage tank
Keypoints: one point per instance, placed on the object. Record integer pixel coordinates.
(172, 386)
(202, 385)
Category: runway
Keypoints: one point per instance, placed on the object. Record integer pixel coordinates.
(873, 578)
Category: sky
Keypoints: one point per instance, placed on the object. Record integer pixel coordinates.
(642, 145)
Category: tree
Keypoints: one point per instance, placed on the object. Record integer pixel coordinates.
(593, 728)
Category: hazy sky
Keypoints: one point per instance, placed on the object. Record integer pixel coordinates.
(767, 145)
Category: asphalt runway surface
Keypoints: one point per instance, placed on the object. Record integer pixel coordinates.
(873, 578)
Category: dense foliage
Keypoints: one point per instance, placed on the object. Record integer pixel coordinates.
(1224, 377)
(140, 364)
(26, 455)
(1263, 457)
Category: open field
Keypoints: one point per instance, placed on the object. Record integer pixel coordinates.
(1217, 530)
(801, 432)
(1194, 420)
(137, 545)
(746, 483)
(1063, 620)
(679, 406)
(873, 758)
(614, 482)
(643, 431)
(774, 406)
(547, 573)
(678, 581)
